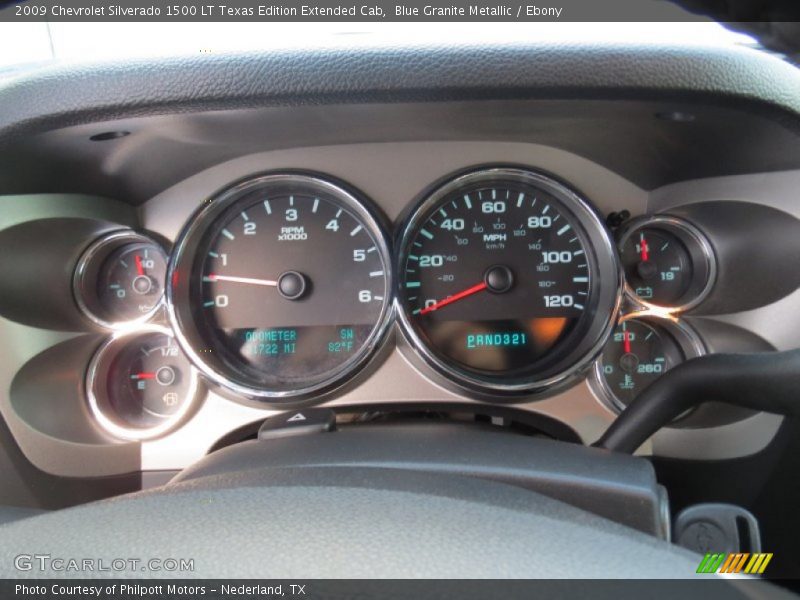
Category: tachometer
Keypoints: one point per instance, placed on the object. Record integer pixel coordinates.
(508, 281)
(281, 286)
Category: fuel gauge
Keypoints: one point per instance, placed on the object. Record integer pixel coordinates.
(140, 385)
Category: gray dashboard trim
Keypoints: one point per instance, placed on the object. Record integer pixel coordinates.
(603, 101)
(72, 94)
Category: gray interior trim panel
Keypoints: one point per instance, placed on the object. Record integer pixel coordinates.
(615, 486)
(69, 95)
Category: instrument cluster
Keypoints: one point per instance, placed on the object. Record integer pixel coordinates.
(505, 284)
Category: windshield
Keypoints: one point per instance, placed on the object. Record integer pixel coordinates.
(27, 45)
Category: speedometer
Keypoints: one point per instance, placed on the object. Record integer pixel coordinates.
(508, 282)
(280, 288)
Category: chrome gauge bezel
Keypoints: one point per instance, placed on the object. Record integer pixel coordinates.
(95, 398)
(608, 278)
(689, 341)
(90, 262)
(177, 296)
(700, 250)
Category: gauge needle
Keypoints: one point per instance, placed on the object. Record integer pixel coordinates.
(249, 280)
(143, 376)
(454, 298)
(627, 337)
(139, 267)
(643, 247)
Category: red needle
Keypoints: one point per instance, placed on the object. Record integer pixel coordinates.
(643, 247)
(143, 376)
(250, 280)
(627, 337)
(454, 298)
(139, 267)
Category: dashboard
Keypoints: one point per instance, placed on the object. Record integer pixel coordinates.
(446, 257)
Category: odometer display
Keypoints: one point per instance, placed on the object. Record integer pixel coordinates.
(289, 288)
(501, 285)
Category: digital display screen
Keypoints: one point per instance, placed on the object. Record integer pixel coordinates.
(288, 353)
(508, 340)
(498, 345)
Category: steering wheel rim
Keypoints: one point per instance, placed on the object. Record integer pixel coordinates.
(349, 523)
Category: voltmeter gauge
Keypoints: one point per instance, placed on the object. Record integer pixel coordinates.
(667, 261)
(119, 280)
(639, 352)
(140, 385)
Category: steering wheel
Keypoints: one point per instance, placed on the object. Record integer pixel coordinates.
(371, 501)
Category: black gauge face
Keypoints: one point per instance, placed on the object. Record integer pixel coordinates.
(149, 380)
(131, 281)
(120, 279)
(499, 276)
(638, 354)
(658, 266)
(668, 262)
(140, 384)
(290, 286)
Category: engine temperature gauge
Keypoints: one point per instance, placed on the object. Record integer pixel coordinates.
(640, 351)
(140, 384)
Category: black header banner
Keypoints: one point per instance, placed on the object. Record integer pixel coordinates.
(343, 10)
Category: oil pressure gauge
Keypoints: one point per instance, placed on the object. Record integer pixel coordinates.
(667, 261)
(119, 280)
